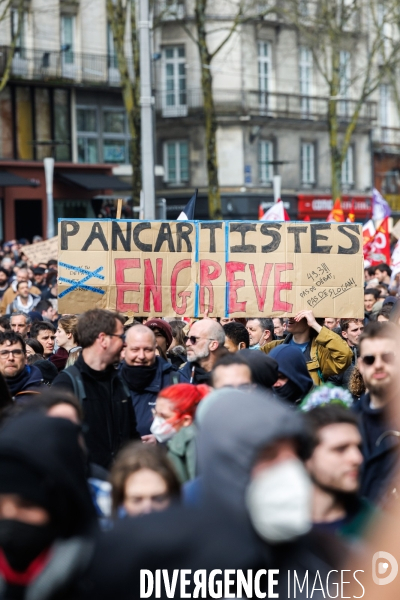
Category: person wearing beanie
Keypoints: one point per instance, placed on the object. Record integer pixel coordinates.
(163, 332)
(294, 380)
(47, 519)
(145, 375)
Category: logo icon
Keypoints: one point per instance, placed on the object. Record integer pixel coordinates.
(380, 566)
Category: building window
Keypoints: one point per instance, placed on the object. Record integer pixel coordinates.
(174, 93)
(176, 162)
(115, 137)
(348, 168)
(87, 135)
(112, 56)
(305, 68)
(18, 32)
(307, 163)
(67, 39)
(266, 150)
(264, 72)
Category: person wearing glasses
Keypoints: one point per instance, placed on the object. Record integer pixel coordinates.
(378, 364)
(204, 346)
(109, 420)
(22, 379)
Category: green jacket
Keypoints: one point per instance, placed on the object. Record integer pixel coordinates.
(182, 453)
(327, 354)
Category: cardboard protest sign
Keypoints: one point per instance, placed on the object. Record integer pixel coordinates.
(42, 251)
(238, 268)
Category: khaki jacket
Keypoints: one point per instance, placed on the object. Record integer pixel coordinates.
(9, 296)
(328, 355)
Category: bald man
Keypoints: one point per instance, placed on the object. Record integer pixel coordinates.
(205, 346)
(146, 374)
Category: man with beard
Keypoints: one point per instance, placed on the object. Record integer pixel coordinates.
(334, 467)
(378, 365)
(146, 375)
(325, 352)
(204, 346)
(109, 420)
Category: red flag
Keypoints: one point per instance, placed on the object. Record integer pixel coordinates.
(351, 217)
(277, 212)
(377, 248)
(307, 218)
(336, 213)
(260, 212)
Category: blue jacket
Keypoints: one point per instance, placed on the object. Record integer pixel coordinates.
(144, 402)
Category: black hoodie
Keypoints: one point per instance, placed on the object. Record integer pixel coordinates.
(49, 447)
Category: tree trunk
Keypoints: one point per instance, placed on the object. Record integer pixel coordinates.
(136, 148)
(336, 157)
(214, 196)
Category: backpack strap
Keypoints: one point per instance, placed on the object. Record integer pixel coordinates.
(77, 383)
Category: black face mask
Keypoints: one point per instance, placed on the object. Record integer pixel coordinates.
(289, 392)
(138, 378)
(22, 542)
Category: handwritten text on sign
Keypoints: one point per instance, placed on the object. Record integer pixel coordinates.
(230, 268)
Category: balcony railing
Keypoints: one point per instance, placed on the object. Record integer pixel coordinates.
(236, 102)
(67, 66)
(389, 136)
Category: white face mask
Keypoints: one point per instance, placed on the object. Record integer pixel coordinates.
(279, 501)
(162, 430)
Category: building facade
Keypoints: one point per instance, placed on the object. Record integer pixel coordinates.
(63, 99)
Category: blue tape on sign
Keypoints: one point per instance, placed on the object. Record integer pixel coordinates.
(196, 299)
(196, 250)
(226, 261)
(81, 283)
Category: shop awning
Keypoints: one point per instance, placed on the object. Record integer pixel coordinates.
(95, 181)
(9, 180)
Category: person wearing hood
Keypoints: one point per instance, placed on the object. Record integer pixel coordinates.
(255, 513)
(145, 374)
(294, 381)
(22, 379)
(47, 521)
(11, 293)
(264, 369)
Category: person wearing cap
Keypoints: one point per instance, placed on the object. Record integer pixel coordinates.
(163, 332)
(146, 375)
(39, 278)
(326, 353)
(47, 519)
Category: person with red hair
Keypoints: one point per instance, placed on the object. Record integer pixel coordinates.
(174, 425)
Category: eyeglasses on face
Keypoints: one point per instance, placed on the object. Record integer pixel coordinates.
(387, 357)
(122, 336)
(14, 353)
(194, 339)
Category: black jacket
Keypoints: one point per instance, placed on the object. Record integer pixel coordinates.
(379, 450)
(109, 420)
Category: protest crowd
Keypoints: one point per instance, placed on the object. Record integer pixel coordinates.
(147, 443)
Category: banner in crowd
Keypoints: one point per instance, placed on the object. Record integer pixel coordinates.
(42, 251)
(234, 268)
(376, 243)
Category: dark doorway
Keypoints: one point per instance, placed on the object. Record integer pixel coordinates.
(28, 219)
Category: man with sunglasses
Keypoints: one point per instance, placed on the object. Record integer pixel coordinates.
(109, 420)
(22, 379)
(204, 346)
(379, 366)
